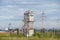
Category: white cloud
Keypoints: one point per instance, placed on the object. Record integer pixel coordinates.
(29, 2)
(18, 2)
(52, 11)
(6, 17)
(11, 11)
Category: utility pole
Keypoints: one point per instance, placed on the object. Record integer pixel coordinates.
(57, 26)
(9, 28)
(57, 23)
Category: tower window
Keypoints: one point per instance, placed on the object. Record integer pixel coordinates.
(31, 15)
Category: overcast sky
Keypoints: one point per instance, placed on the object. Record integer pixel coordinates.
(12, 11)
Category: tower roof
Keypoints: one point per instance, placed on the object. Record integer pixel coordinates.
(28, 12)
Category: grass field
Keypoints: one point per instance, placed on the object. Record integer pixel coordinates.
(25, 38)
(8, 36)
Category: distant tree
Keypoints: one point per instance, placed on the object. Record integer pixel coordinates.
(17, 31)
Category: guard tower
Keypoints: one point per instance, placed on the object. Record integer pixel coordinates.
(28, 23)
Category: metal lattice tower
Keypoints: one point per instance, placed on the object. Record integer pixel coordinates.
(43, 16)
(43, 19)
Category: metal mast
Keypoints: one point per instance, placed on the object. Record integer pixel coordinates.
(9, 26)
(42, 19)
(42, 22)
(57, 23)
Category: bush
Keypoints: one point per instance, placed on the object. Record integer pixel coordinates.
(38, 34)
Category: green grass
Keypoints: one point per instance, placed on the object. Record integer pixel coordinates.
(48, 36)
(25, 38)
